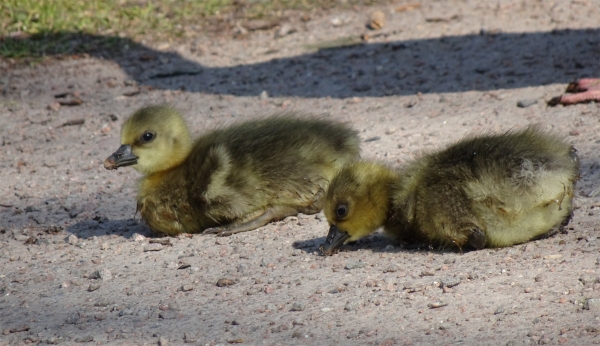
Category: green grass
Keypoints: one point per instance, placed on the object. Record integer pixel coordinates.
(36, 28)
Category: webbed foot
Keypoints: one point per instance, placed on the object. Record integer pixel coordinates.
(213, 230)
(219, 231)
(477, 239)
(225, 233)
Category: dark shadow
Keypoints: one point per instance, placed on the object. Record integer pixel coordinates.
(440, 65)
(97, 227)
(375, 242)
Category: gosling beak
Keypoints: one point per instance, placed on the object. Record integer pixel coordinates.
(120, 158)
(335, 239)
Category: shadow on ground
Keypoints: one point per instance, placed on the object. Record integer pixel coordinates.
(97, 227)
(45, 218)
(439, 65)
(376, 242)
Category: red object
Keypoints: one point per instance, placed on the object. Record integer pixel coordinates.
(584, 90)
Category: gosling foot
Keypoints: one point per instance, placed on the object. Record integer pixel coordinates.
(477, 239)
(253, 221)
(219, 231)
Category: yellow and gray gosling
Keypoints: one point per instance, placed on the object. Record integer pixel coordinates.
(233, 179)
(483, 191)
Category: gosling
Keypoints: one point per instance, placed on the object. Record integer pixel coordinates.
(483, 191)
(233, 179)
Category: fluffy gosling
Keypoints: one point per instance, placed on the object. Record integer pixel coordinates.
(233, 179)
(483, 191)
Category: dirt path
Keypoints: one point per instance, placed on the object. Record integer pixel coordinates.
(76, 266)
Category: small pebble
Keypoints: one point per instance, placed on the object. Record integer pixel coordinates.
(186, 288)
(225, 282)
(263, 95)
(93, 287)
(340, 20)
(528, 290)
(298, 323)
(350, 306)
(87, 338)
(391, 268)
(188, 339)
(53, 106)
(592, 304)
(372, 139)
(72, 239)
(354, 100)
(377, 20)
(355, 265)
(499, 310)
(222, 241)
(387, 342)
(153, 247)
(31, 208)
(44, 242)
(138, 237)
(526, 103)
(436, 305)
(102, 274)
(450, 282)
(252, 291)
(285, 30)
(298, 306)
(589, 280)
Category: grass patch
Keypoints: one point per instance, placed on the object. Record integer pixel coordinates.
(35, 28)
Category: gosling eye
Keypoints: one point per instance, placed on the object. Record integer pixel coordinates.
(147, 137)
(341, 211)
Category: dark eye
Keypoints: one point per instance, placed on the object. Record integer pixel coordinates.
(341, 210)
(147, 137)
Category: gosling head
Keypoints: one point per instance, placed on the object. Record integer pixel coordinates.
(153, 139)
(357, 203)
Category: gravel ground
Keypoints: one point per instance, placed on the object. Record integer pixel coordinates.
(77, 265)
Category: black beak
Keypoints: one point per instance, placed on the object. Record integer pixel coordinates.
(120, 158)
(335, 239)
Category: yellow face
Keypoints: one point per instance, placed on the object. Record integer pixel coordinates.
(153, 139)
(357, 203)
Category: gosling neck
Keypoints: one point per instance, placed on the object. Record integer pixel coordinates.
(384, 192)
(377, 204)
